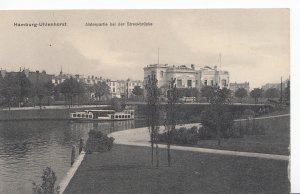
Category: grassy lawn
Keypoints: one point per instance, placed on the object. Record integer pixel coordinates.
(127, 169)
(275, 141)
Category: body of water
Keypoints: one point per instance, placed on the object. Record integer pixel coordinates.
(28, 147)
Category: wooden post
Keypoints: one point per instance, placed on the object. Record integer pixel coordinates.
(80, 145)
(73, 154)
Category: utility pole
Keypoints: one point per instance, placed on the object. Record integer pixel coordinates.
(158, 56)
(220, 60)
(281, 90)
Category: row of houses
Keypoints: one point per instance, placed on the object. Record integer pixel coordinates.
(118, 88)
(186, 77)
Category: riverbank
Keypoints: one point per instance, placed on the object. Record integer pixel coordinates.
(127, 169)
(46, 113)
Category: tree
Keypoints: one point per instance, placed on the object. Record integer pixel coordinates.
(1, 85)
(24, 87)
(207, 92)
(71, 88)
(138, 91)
(10, 89)
(220, 96)
(153, 94)
(272, 93)
(48, 183)
(50, 91)
(256, 93)
(171, 117)
(220, 118)
(100, 89)
(241, 93)
(287, 92)
(118, 104)
(40, 92)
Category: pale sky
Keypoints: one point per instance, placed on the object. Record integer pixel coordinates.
(254, 43)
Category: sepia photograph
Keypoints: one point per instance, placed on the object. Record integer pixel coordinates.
(145, 101)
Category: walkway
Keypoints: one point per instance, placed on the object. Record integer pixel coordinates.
(140, 137)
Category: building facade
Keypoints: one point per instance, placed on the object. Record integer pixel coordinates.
(276, 85)
(234, 86)
(187, 77)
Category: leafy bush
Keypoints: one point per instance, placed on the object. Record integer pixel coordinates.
(211, 119)
(205, 133)
(48, 183)
(249, 113)
(182, 136)
(98, 142)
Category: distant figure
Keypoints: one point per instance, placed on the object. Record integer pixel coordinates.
(73, 154)
(80, 145)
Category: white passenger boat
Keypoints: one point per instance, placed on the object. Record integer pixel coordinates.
(102, 115)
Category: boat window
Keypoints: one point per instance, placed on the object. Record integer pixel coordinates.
(116, 116)
(86, 116)
(129, 116)
(123, 116)
(90, 116)
(82, 115)
(74, 115)
(78, 115)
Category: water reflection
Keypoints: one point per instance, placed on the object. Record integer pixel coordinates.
(27, 147)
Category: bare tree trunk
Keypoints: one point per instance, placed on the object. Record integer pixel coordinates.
(48, 100)
(40, 103)
(152, 147)
(157, 155)
(169, 154)
(33, 101)
(219, 135)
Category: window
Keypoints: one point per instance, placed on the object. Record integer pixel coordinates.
(114, 90)
(78, 115)
(90, 116)
(212, 82)
(179, 83)
(196, 82)
(189, 83)
(205, 82)
(116, 116)
(161, 74)
(123, 116)
(224, 83)
(74, 115)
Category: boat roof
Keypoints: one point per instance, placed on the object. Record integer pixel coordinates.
(100, 110)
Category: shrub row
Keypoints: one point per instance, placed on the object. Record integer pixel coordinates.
(98, 142)
(191, 136)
